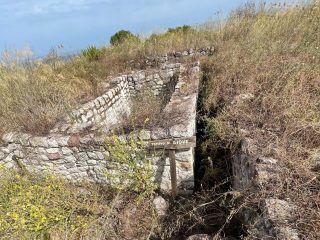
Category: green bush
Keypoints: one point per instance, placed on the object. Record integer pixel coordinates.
(34, 206)
(31, 205)
(129, 167)
(121, 37)
(181, 29)
(92, 53)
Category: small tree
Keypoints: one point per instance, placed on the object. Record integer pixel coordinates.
(121, 37)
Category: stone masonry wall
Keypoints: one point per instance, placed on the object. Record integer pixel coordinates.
(255, 171)
(69, 152)
(108, 109)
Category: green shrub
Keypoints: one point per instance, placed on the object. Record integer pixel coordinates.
(92, 53)
(34, 206)
(180, 29)
(31, 205)
(121, 37)
(129, 167)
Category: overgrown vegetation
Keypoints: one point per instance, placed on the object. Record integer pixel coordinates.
(130, 166)
(46, 207)
(272, 54)
(121, 37)
(274, 57)
(92, 53)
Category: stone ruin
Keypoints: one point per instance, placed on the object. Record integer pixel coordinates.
(75, 147)
(253, 170)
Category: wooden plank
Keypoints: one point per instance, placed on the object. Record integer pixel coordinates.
(178, 143)
(173, 172)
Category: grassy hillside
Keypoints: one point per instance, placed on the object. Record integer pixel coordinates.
(275, 56)
(271, 54)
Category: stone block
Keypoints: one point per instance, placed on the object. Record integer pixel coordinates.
(96, 155)
(39, 142)
(161, 205)
(52, 143)
(62, 141)
(82, 157)
(199, 237)
(89, 114)
(279, 211)
(54, 156)
(74, 141)
(92, 162)
(186, 166)
(52, 150)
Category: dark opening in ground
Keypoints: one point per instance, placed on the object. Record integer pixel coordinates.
(213, 202)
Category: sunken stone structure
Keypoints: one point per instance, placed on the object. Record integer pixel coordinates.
(75, 147)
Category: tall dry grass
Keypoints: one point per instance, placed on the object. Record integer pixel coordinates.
(271, 53)
(275, 56)
(35, 94)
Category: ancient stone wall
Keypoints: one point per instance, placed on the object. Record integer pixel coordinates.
(254, 171)
(70, 151)
(109, 109)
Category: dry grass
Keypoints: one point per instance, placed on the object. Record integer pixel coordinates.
(272, 54)
(275, 56)
(46, 207)
(34, 94)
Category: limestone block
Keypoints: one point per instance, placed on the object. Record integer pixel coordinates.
(40, 150)
(18, 153)
(98, 118)
(84, 118)
(70, 158)
(52, 150)
(199, 237)
(24, 139)
(159, 133)
(8, 158)
(161, 205)
(279, 211)
(54, 156)
(62, 141)
(5, 150)
(74, 141)
(92, 162)
(89, 114)
(43, 157)
(96, 155)
(8, 137)
(69, 165)
(101, 101)
(52, 143)
(82, 157)
(185, 156)
(39, 142)
(13, 146)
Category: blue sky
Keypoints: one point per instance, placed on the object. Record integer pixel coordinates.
(42, 24)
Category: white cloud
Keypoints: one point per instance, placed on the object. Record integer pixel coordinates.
(37, 7)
